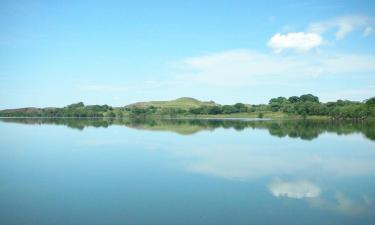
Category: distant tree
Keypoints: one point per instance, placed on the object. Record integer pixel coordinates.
(278, 100)
(309, 98)
(138, 110)
(277, 103)
(196, 111)
(294, 99)
(287, 108)
(370, 102)
(213, 110)
(228, 109)
(76, 105)
(240, 107)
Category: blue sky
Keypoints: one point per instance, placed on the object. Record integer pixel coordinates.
(118, 52)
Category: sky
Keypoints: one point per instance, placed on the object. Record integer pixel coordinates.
(54, 53)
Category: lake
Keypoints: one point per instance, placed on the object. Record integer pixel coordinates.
(185, 172)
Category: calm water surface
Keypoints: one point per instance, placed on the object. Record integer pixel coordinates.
(184, 172)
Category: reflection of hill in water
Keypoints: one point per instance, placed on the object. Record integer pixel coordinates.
(304, 129)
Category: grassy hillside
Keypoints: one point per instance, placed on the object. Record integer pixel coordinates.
(181, 103)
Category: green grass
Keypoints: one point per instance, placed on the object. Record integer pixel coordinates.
(266, 115)
(182, 103)
(272, 115)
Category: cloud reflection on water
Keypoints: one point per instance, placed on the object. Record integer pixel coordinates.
(294, 189)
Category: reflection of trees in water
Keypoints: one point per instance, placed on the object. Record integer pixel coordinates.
(304, 129)
(74, 123)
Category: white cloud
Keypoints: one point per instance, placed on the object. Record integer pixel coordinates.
(342, 25)
(248, 76)
(294, 189)
(312, 37)
(299, 41)
(368, 31)
(245, 67)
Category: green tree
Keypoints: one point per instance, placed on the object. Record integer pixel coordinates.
(213, 110)
(240, 107)
(370, 102)
(228, 109)
(309, 98)
(294, 99)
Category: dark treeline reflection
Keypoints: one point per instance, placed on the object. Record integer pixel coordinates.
(304, 129)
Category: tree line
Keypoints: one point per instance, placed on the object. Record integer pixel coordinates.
(304, 105)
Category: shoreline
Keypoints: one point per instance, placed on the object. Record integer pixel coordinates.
(241, 117)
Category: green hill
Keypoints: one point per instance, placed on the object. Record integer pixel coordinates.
(182, 103)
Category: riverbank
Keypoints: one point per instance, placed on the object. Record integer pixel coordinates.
(232, 116)
(245, 115)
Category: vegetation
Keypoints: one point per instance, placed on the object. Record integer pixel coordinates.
(302, 106)
(184, 103)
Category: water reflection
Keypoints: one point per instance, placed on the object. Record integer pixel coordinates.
(316, 169)
(336, 201)
(262, 159)
(343, 204)
(303, 129)
(294, 189)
